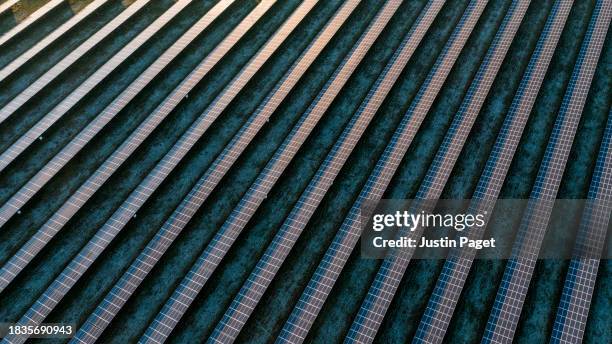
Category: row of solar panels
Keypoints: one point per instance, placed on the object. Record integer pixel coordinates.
(502, 323)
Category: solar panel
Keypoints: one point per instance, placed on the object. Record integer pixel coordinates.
(51, 38)
(380, 295)
(143, 264)
(245, 290)
(35, 87)
(513, 289)
(98, 243)
(121, 154)
(31, 19)
(6, 6)
(210, 258)
(303, 315)
(252, 290)
(446, 293)
(51, 168)
(573, 310)
(87, 86)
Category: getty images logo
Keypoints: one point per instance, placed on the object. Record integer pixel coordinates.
(411, 221)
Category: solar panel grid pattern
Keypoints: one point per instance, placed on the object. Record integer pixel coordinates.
(268, 265)
(134, 274)
(31, 19)
(389, 276)
(124, 288)
(121, 154)
(46, 173)
(580, 280)
(513, 289)
(127, 210)
(315, 294)
(578, 289)
(574, 305)
(454, 273)
(35, 87)
(83, 90)
(52, 37)
(207, 262)
(579, 283)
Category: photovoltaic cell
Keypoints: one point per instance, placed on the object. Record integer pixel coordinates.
(50, 38)
(40, 13)
(142, 265)
(310, 303)
(35, 87)
(515, 282)
(389, 276)
(446, 293)
(252, 290)
(31, 248)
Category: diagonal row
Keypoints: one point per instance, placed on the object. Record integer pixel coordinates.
(570, 321)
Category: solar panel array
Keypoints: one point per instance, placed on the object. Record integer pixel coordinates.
(49, 39)
(505, 315)
(331, 266)
(448, 288)
(34, 88)
(392, 269)
(40, 13)
(189, 205)
(245, 126)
